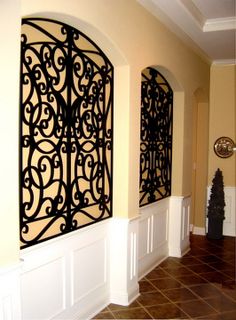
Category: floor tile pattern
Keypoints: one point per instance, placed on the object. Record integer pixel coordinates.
(200, 285)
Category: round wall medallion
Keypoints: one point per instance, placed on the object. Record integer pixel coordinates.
(223, 147)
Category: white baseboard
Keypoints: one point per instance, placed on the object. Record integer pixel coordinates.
(199, 231)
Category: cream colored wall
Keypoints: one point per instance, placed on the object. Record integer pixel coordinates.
(222, 120)
(9, 95)
(200, 163)
(133, 39)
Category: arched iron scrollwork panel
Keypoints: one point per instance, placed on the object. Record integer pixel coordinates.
(66, 131)
(156, 137)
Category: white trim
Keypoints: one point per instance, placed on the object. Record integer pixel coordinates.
(153, 235)
(224, 62)
(124, 286)
(179, 225)
(191, 227)
(59, 279)
(199, 231)
(219, 24)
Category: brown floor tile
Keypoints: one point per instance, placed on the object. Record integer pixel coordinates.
(189, 261)
(217, 316)
(228, 315)
(187, 287)
(166, 311)
(205, 290)
(229, 284)
(152, 299)
(169, 263)
(156, 274)
(189, 280)
(166, 283)
(196, 308)
(227, 256)
(114, 307)
(221, 265)
(229, 290)
(104, 315)
(209, 258)
(202, 268)
(178, 271)
(231, 261)
(198, 252)
(229, 272)
(179, 294)
(146, 286)
(215, 277)
(230, 293)
(221, 303)
(215, 250)
(138, 313)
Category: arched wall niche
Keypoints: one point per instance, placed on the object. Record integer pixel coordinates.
(171, 79)
(121, 109)
(201, 96)
(107, 45)
(200, 146)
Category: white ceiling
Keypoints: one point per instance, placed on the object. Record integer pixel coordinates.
(208, 26)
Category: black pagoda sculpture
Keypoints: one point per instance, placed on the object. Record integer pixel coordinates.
(216, 204)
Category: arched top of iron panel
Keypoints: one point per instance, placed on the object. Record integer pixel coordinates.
(64, 35)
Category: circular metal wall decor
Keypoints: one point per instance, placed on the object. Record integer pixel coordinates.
(224, 147)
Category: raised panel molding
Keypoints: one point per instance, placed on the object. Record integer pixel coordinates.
(43, 290)
(124, 286)
(75, 276)
(62, 276)
(10, 304)
(94, 258)
(179, 225)
(153, 235)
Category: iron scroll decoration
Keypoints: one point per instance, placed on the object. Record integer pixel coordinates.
(66, 130)
(156, 137)
(224, 147)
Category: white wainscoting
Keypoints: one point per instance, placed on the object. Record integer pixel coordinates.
(229, 224)
(67, 277)
(10, 306)
(77, 275)
(179, 225)
(153, 235)
(124, 286)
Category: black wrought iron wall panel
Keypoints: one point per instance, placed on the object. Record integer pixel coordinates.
(66, 131)
(156, 137)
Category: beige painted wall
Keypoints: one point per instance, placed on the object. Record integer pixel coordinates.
(133, 39)
(200, 163)
(222, 120)
(9, 97)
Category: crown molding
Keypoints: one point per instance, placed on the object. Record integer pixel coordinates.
(219, 24)
(224, 62)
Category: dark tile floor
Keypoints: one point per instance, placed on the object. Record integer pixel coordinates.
(200, 285)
